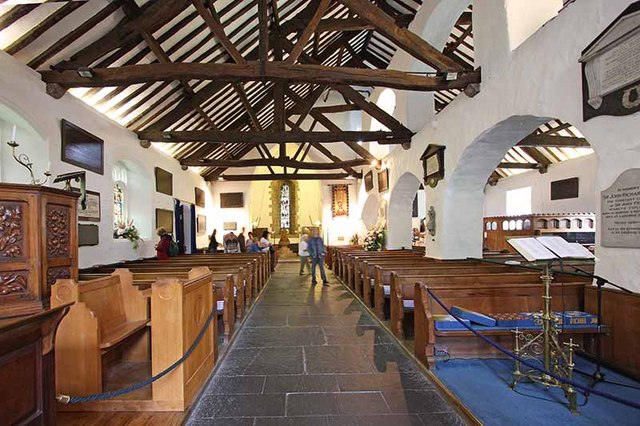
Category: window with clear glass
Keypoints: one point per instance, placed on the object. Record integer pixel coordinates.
(519, 201)
(285, 207)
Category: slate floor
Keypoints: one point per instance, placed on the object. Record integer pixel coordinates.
(313, 356)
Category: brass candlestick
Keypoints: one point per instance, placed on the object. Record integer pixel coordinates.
(24, 160)
(546, 348)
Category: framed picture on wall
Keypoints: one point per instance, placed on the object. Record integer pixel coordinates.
(230, 226)
(339, 200)
(231, 200)
(368, 181)
(200, 198)
(81, 148)
(164, 181)
(201, 224)
(383, 180)
(92, 212)
(164, 218)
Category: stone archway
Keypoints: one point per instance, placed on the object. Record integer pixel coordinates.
(399, 224)
(460, 218)
(370, 211)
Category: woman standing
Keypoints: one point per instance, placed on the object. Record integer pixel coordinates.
(162, 248)
(265, 244)
(213, 242)
(303, 252)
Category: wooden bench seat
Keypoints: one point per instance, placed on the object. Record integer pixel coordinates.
(121, 332)
(499, 297)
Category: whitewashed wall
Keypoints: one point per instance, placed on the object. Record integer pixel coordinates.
(538, 81)
(584, 168)
(22, 92)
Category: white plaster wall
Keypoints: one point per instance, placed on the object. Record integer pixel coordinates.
(22, 92)
(541, 79)
(525, 17)
(583, 168)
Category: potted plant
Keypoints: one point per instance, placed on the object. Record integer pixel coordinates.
(129, 232)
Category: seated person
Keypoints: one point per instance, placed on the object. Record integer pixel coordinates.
(231, 243)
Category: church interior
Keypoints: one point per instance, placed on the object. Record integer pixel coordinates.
(464, 174)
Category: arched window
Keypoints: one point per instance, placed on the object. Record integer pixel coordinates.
(119, 175)
(285, 206)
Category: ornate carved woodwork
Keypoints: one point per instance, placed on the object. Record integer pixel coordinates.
(57, 231)
(38, 244)
(11, 232)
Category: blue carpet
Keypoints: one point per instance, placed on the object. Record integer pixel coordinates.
(482, 385)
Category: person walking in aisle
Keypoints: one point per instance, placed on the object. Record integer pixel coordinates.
(317, 252)
(303, 252)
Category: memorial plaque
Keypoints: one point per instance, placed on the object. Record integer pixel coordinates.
(611, 68)
(620, 215)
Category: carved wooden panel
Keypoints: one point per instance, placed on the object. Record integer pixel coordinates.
(58, 226)
(14, 283)
(53, 274)
(11, 231)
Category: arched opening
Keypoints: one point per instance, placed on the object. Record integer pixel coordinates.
(523, 157)
(370, 211)
(386, 102)
(400, 221)
(132, 196)
(14, 127)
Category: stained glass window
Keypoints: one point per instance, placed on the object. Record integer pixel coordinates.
(118, 205)
(285, 207)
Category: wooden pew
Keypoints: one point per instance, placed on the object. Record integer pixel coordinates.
(107, 313)
(487, 298)
(226, 286)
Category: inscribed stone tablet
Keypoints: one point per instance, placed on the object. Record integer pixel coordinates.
(620, 217)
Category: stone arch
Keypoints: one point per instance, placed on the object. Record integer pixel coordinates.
(400, 207)
(463, 200)
(370, 211)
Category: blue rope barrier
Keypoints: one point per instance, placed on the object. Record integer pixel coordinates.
(531, 365)
(65, 399)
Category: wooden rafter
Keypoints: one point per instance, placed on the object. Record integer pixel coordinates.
(300, 73)
(294, 54)
(235, 137)
(210, 16)
(276, 162)
(405, 39)
(283, 176)
(546, 140)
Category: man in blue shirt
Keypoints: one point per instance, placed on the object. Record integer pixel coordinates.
(316, 253)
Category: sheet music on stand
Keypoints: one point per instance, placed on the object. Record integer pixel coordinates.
(549, 248)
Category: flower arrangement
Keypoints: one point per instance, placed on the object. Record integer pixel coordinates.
(355, 240)
(128, 231)
(374, 241)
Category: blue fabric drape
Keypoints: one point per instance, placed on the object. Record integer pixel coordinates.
(179, 230)
(194, 247)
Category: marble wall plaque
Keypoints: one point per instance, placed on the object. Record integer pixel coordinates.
(620, 211)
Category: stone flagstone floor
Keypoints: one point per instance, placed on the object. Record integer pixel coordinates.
(313, 356)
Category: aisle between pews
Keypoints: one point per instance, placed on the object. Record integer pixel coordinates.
(314, 355)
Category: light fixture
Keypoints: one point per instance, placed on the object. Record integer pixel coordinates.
(220, 178)
(451, 76)
(85, 72)
(166, 136)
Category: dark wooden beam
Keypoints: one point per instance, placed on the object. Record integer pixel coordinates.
(545, 140)
(308, 32)
(276, 162)
(239, 88)
(211, 18)
(289, 176)
(75, 34)
(263, 22)
(41, 27)
(518, 166)
(235, 137)
(302, 73)
(156, 15)
(405, 39)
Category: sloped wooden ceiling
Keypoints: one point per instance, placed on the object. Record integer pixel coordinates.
(215, 81)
